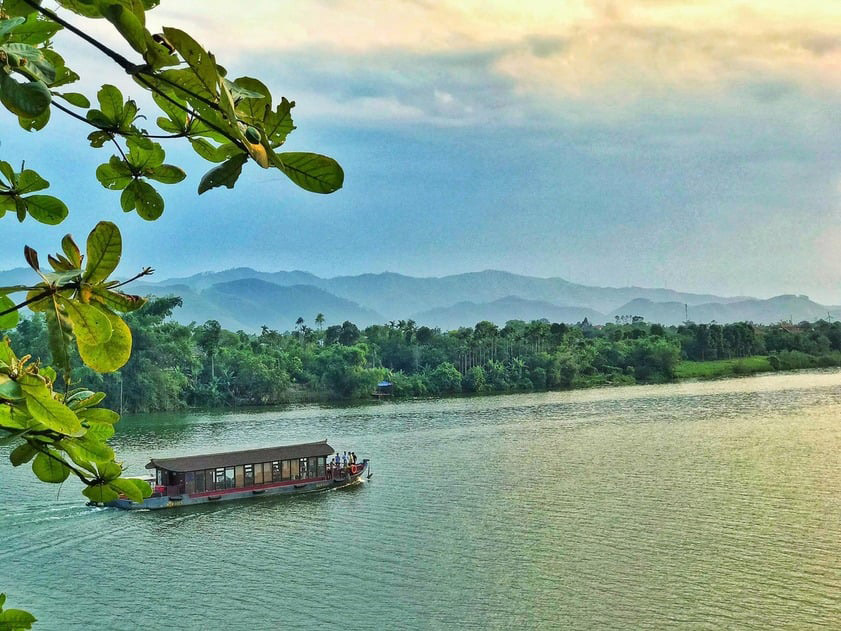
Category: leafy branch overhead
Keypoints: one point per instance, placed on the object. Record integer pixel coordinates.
(226, 121)
(62, 432)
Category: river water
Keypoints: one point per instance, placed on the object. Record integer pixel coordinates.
(711, 505)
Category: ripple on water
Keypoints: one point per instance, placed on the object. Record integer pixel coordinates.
(707, 505)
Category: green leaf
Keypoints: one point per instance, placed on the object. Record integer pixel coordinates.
(127, 24)
(199, 60)
(9, 388)
(85, 8)
(100, 431)
(212, 153)
(99, 415)
(35, 124)
(89, 448)
(104, 248)
(7, 26)
(311, 171)
(142, 196)
(10, 320)
(143, 153)
(226, 174)
(165, 173)
(83, 399)
(30, 99)
(7, 355)
(114, 353)
(50, 470)
(37, 65)
(278, 124)
(16, 620)
(58, 338)
(256, 99)
(176, 115)
(74, 98)
(117, 300)
(109, 471)
(90, 325)
(98, 139)
(35, 31)
(71, 250)
(22, 454)
(28, 181)
(46, 209)
(114, 174)
(48, 411)
(8, 172)
(110, 103)
(127, 488)
(100, 493)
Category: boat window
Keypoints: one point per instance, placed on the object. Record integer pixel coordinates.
(210, 483)
(220, 478)
(248, 477)
(321, 466)
(200, 478)
(312, 469)
(258, 473)
(293, 469)
(240, 478)
(190, 482)
(229, 477)
(276, 471)
(286, 474)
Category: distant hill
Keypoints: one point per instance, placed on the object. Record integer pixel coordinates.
(398, 296)
(18, 276)
(242, 298)
(500, 311)
(786, 307)
(250, 303)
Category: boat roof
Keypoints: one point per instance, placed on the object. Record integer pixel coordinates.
(248, 456)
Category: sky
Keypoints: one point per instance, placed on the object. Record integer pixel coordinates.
(691, 145)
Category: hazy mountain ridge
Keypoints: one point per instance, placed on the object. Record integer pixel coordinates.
(502, 310)
(242, 298)
(400, 296)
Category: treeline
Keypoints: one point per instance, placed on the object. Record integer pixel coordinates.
(175, 366)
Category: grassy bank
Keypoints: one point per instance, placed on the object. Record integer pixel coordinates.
(723, 367)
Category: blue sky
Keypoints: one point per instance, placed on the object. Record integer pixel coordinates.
(648, 142)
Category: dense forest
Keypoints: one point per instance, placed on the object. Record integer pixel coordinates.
(174, 366)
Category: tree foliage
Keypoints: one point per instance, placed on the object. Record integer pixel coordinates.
(57, 424)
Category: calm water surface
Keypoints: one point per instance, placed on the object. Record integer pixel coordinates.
(710, 505)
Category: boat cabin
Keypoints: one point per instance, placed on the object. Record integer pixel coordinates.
(241, 470)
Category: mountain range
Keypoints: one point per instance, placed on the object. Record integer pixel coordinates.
(243, 298)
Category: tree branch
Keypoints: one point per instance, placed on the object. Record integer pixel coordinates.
(28, 301)
(70, 112)
(121, 61)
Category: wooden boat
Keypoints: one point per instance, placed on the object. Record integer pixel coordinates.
(234, 475)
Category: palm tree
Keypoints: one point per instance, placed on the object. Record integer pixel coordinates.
(319, 320)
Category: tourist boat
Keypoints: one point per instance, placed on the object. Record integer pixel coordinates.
(234, 475)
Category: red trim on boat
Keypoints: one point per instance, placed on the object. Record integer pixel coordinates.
(271, 485)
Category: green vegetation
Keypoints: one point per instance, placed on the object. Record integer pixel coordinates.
(722, 367)
(45, 410)
(177, 366)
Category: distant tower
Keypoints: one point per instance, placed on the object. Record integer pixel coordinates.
(686, 312)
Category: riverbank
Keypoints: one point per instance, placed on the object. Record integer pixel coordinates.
(722, 368)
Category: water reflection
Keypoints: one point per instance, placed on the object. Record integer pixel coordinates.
(710, 505)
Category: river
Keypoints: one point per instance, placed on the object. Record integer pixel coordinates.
(711, 505)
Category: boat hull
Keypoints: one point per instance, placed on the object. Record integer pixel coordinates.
(287, 487)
